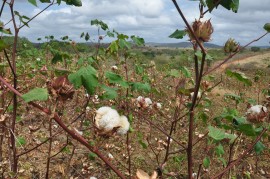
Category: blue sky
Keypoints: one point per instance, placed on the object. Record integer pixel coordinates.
(154, 20)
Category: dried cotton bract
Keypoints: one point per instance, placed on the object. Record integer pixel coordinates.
(256, 114)
(108, 119)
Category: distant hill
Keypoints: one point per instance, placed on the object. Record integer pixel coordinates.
(180, 45)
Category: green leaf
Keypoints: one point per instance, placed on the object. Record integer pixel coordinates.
(5, 31)
(185, 71)
(138, 69)
(99, 23)
(87, 37)
(224, 163)
(115, 78)
(232, 137)
(143, 144)
(216, 133)
(92, 156)
(267, 27)
(57, 58)
(82, 35)
(137, 40)
(247, 129)
(124, 44)
(64, 38)
(198, 54)
(110, 93)
(77, 3)
(239, 76)
(3, 45)
(219, 150)
(206, 162)
(110, 34)
(228, 4)
(20, 141)
(34, 2)
(113, 47)
(174, 73)
(86, 77)
(37, 94)
(47, 1)
(178, 34)
(137, 86)
(259, 147)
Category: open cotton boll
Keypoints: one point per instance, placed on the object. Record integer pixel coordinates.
(159, 106)
(140, 99)
(256, 109)
(257, 113)
(123, 125)
(114, 67)
(148, 101)
(107, 118)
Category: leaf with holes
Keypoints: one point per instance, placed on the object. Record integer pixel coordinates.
(37, 94)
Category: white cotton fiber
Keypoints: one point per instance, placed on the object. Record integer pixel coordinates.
(107, 118)
(124, 125)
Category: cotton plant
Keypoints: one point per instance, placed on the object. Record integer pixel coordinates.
(108, 119)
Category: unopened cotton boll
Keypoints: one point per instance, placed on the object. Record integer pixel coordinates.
(106, 118)
(123, 125)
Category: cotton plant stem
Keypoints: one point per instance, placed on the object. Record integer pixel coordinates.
(14, 162)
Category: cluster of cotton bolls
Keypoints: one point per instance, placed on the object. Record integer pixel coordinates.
(108, 119)
(256, 113)
(147, 103)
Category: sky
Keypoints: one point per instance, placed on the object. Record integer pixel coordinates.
(153, 20)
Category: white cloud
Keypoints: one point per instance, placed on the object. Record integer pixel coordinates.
(154, 20)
